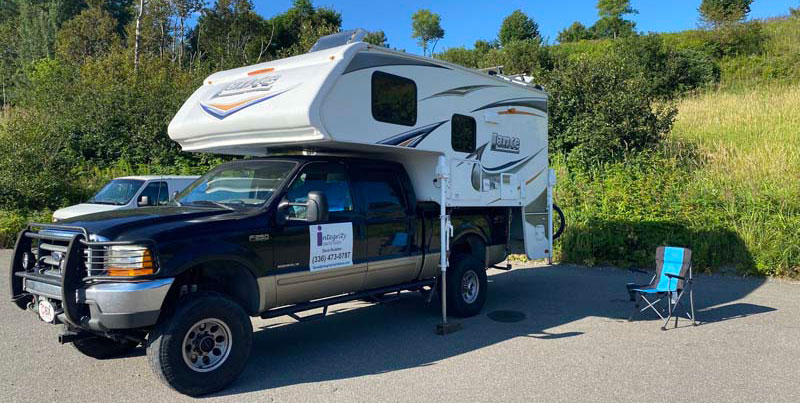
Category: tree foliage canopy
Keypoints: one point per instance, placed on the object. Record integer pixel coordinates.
(426, 28)
(718, 12)
(517, 27)
(377, 38)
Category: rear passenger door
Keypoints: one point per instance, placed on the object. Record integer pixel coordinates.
(389, 227)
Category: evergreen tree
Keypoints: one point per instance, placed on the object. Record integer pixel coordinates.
(517, 27)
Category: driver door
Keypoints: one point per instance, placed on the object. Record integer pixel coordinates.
(301, 276)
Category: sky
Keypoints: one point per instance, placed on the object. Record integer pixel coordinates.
(465, 21)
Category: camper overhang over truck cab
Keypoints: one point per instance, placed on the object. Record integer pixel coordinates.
(466, 138)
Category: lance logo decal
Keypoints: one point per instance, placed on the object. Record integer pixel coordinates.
(241, 94)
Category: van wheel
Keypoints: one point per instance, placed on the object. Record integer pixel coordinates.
(466, 286)
(103, 348)
(202, 346)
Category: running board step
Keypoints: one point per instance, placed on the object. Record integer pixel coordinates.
(305, 306)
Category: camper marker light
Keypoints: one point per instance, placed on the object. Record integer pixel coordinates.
(128, 261)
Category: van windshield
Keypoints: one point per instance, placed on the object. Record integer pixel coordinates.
(118, 192)
(238, 184)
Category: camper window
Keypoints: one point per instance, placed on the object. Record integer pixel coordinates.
(394, 99)
(463, 133)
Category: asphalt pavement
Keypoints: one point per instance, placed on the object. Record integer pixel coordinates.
(574, 344)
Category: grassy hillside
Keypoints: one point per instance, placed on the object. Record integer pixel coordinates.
(726, 182)
(750, 143)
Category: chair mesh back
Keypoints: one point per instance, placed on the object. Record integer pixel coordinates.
(674, 261)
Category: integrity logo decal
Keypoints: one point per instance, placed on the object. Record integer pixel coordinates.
(241, 94)
(331, 246)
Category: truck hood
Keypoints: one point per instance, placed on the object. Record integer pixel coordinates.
(147, 222)
(83, 209)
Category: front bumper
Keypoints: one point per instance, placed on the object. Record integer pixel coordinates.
(112, 305)
(84, 302)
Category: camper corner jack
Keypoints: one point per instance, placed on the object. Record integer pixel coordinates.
(446, 231)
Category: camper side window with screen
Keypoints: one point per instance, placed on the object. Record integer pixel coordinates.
(394, 99)
(463, 133)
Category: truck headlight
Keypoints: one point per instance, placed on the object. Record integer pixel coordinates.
(128, 261)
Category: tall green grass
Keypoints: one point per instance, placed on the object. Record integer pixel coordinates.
(726, 183)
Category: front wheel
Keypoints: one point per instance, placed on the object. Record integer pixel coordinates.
(466, 286)
(203, 346)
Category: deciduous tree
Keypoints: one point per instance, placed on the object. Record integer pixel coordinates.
(718, 12)
(426, 28)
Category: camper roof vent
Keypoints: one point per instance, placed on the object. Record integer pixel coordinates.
(339, 39)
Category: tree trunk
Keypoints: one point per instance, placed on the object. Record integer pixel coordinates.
(182, 33)
(138, 40)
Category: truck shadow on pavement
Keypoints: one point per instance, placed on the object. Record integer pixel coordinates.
(361, 339)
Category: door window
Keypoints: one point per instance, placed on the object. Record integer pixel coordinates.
(328, 178)
(157, 193)
(382, 193)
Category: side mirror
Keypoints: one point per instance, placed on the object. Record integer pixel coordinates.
(317, 209)
(144, 201)
(173, 195)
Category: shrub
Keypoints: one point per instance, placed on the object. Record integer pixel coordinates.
(602, 111)
(35, 169)
(739, 39)
(668, 71)
(12, 222)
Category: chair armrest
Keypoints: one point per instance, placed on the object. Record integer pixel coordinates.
(674, 276)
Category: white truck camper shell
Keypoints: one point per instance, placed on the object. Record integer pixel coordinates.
(466, 138)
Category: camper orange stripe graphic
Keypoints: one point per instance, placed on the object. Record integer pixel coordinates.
(514, 111)
(227, 107)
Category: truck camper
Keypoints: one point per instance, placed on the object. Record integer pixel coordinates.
(368, 172)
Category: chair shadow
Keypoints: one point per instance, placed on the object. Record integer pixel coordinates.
(362, 339)
(732, 311)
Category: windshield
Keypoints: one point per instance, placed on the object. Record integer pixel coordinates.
(239, 184)
(117, 192)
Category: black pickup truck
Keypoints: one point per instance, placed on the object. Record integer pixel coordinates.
(260, 237)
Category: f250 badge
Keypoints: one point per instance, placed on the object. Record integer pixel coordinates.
(259, 238)
(506, 144)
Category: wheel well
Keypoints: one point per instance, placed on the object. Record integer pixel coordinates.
(229, 278)
(470, 245)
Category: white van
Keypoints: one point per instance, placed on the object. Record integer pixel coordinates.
(126, 193)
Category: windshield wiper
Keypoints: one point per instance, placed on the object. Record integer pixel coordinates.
(211, 202)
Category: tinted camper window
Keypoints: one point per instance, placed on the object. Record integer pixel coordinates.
(463, 133)
(394, 99)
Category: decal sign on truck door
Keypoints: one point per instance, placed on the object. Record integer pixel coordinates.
(331, 246)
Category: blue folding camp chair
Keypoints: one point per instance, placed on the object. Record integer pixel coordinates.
(669, 284)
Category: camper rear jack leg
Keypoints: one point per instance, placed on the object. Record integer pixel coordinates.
(446, 231)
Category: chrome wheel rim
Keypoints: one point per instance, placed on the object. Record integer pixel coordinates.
(207, 345)
(470, 287)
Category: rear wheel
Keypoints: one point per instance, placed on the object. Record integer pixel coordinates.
(203, 346)
(466, 286)
(103, 348)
